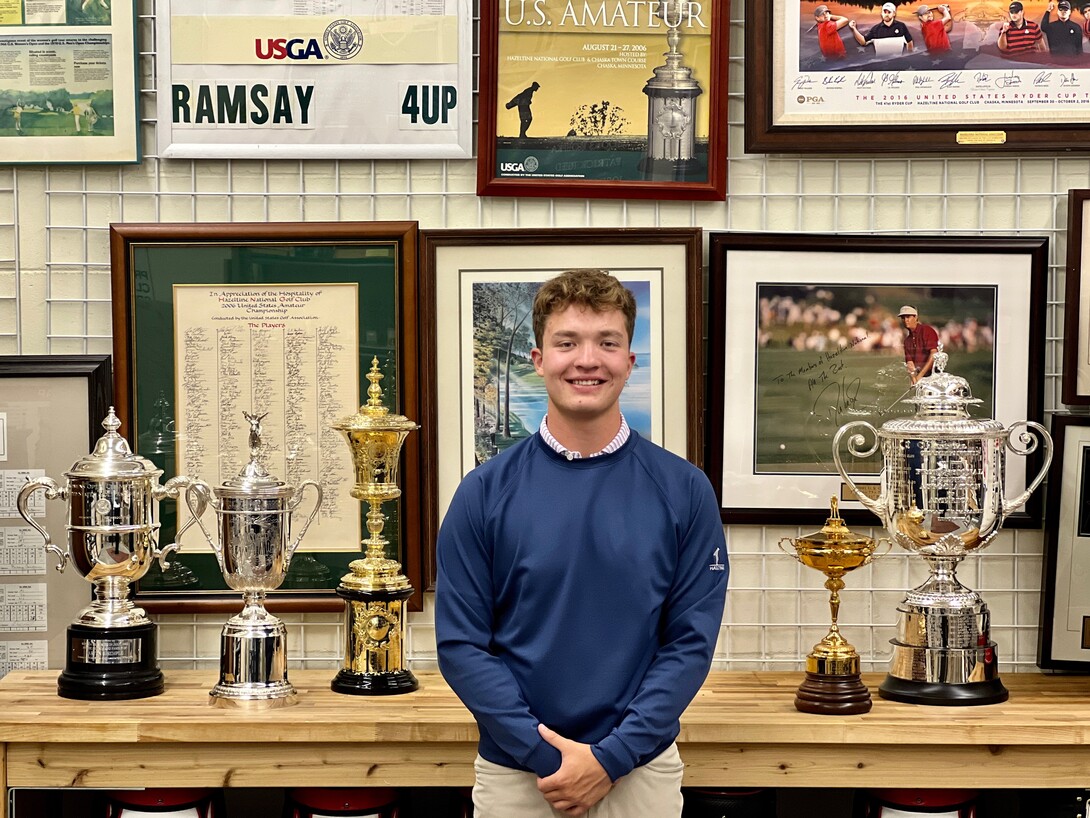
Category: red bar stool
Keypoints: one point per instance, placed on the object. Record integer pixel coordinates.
(327, 802)
(163, 802)
(932, 803)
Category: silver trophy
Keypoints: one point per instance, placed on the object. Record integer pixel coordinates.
(113, 497)
(254, 551)
(942, 497)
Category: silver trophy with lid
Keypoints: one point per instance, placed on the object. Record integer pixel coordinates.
(113, 497)
(942, 497)
(254, 551)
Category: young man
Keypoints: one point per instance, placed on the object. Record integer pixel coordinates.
(1019, 35)
(921, 344)
(828, 30)
(1064, 35)
(935, 32)
(890, 27)
(581, 584)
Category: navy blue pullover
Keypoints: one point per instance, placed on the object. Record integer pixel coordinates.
(586, 595)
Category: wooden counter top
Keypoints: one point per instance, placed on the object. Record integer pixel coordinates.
(742, 730)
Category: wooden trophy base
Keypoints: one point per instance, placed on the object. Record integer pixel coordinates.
(832, 695)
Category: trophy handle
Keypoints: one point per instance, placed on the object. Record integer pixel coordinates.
(855, 446)
(294, 504)
(203, 493)
(172, 490)
(1028, 440)
(52, 492)
(792, 553)
(875, 555)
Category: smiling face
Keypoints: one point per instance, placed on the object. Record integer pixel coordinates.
(888, 16)
(585, 359)
(1064, 14)
(1017, 17)
(927, 17)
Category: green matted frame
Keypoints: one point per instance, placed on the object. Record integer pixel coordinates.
(149, 260)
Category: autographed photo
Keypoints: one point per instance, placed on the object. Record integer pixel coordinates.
(904, 63)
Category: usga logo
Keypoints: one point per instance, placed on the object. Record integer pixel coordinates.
(343, 40)
(527, 165)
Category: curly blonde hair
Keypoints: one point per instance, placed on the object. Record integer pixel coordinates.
(594, 289)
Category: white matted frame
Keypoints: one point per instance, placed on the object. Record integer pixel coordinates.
(454, 261)
(752, 484)
(1065, 601)
(1076, 379)
(272, 79)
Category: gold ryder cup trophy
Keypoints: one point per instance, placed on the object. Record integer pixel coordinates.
(832, 685)
(942, 497)
(375, 590)
(254, 551)
(113, 497)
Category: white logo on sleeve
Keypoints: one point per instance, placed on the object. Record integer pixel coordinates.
(717, 565)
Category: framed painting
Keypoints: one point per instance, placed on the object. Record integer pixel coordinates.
(483, 395)
(284, 320)
(68, 90)
(51, 413)
(1076, 351)
(806, 335)
(603, 100)
(963, 77)
(276, 79)
(1064, 642)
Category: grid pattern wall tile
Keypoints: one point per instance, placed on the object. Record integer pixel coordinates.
(55, 298)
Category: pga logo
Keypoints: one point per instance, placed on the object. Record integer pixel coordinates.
(527, 165)
(801, 100)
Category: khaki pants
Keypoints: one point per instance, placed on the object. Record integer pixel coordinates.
(650, 791)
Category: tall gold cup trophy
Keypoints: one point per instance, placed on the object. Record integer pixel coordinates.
(833, 685)
(375, 590)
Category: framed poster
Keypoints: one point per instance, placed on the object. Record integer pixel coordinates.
(603, 100)
(1076, 379)
(214, 320)
(483, 394)
(303, 79)
(68, 89)
(51, 413)
(805, 335)
(1064, 642)
(859, 78)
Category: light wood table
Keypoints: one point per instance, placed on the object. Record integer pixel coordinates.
(742, 730)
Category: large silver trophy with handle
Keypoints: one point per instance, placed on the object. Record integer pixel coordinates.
(254, 551)
(942, 497)
(113, 497)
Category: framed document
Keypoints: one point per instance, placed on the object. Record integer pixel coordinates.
(1076, 380)
(213, 320)
(1065, 604)
(68, 82)
(805, 335)
(858, 79)
(482, 393)
(314, 79)
(607, 100)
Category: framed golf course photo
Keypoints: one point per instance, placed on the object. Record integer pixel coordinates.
(806, 335)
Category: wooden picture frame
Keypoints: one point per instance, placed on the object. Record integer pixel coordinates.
(804, 337)
(287, 317)
(581, 131)
(970, 99)
(663, 267)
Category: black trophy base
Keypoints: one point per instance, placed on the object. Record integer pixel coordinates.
(107, 664)
(832, 695)
(943, 695)
(374, 684)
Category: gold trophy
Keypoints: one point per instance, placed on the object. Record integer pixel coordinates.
(832, 685)
(375, 590)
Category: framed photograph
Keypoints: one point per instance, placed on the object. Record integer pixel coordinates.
(277, 319)
(68, 90)
(482, 393)
(805, 335)
(1065, 603)
(603, 100)
(51, 413)
(340, 79)
(963, 77)
(1076, 379)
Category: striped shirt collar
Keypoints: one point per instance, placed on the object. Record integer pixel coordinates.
(619, 440)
